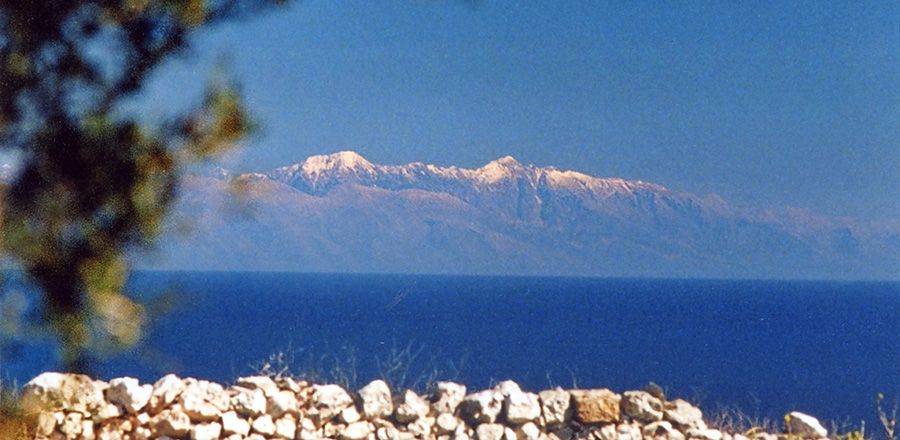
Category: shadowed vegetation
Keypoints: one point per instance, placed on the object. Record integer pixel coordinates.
(13, 424)
(93, 182)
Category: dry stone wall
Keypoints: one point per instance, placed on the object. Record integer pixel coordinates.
(71, 407)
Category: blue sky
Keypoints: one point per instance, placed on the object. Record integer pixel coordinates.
(768, 104)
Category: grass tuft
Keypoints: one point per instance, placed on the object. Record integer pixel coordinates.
(887, 417)
(13, 425)
(736, 420)
(402, 367)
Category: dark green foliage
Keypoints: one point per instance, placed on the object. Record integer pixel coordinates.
(94, 182)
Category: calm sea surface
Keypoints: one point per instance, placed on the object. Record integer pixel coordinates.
(764, 346)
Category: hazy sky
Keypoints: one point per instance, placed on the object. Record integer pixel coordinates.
(766, 103)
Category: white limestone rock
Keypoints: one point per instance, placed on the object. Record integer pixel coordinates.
(263, 425)
(683, 415)
(142, 419)
(330, 400)
(106, 412)
(286, 427)
(376, 400)
(87, 430)
(165, 391)
(387, 433)
(640, 406)
(290, 384)
(490, 431)
(216, 395)
(529, 431)
(482, 407)
(283, 402)
(421, 427)
(117, 428)
(204, 401)
(71, 425)
(248, 402)
(262, 383)
(704, 434)
(357, 431)
(206, 431)
(304, 434)
(411, 407)
(198, 409)
(522, 407)
(144, 433)
(628, 431)
(171, 422)
(129, 394)
(507, 387)
(307, 424)
(556, 405)
(350, 415)
(232, 424)
(804, 425)
(446, 423)
(382, 423)
(333, 429)
(661, 431)
(448, 396)
(62, 392)
(46, 423)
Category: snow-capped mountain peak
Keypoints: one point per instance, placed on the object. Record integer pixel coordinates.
(500, 169)
(573, 180)
(320, 172)
(505, 161)
(342, 160)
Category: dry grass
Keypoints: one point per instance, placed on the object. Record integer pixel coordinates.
(13, 428)
(402, 367)
(13, 425)
(736, 420)
(887, 417)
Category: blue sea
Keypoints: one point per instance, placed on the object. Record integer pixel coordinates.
(766, 347)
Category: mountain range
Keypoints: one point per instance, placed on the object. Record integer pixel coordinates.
(343, 213)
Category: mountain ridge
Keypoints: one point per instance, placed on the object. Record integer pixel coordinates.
(343, 213)
(352, 164)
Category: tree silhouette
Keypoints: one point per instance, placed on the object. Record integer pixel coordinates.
(93, 181)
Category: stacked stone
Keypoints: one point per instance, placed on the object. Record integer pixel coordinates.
(72, 407)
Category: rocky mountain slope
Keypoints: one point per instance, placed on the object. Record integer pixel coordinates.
(340, 212)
